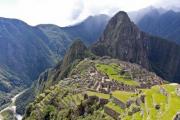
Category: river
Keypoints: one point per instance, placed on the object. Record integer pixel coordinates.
(12, 107)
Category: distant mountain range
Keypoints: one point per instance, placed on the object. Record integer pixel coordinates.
(60, 38)
(165, 25)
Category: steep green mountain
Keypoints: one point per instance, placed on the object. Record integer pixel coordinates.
(123, 40)
(23, 56)
(76, 53)
(165, 25)
(102, 88)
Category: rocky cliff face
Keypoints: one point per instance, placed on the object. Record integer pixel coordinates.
(123, 40)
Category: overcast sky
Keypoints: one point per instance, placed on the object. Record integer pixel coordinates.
(66, 12)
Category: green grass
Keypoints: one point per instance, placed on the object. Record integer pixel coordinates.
(100, 95)
(114, 107)
(123, 96)
(169, 105)
(170, 88)
(77, 98)
(7, 115)
(113, 71)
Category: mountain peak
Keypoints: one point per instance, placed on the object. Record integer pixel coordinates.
(122, 23)
(121, 17)
(122, 39)
(78, 43)
(76, 51)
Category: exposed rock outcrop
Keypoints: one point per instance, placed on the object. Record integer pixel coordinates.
(123, 40)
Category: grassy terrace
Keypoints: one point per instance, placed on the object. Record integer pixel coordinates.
(100, 95)
(77, 98)
(123, 96)
(73, 98)
(115, 107)
(113, 71)
(169, 105)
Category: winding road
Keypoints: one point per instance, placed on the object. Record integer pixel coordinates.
(12, 107)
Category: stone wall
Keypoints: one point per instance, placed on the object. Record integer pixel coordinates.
(177, 117)
(120, 103)
(112, 113)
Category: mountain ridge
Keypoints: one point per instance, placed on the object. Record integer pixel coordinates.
(163, 25)
(25, 48)
(125, 41)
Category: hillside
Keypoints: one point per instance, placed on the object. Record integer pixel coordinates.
(23, 56)
(57, 40)
(89, 30)
(90, 85)
(122, 39)
(106, 89)
(60, 38)
(26, 51)
(165, 25)
(101, 88)
(77, 52)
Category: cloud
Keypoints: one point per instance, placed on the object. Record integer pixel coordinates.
(77, 10)
(169, 4)
(66, 12)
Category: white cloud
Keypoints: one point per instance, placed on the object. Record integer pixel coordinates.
(66, 12)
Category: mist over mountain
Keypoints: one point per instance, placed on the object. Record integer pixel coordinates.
(165, 25)
(136, 16)
(89, 30)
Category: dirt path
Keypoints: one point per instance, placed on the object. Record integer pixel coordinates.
(12, 106)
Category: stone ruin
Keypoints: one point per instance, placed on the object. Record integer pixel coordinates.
(177, 116)
(178, 90)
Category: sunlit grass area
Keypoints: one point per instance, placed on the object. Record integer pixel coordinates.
(115, 107)
(100, 95)
(123, 96)
(115, 73)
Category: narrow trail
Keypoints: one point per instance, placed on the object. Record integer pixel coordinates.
(12, 107)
